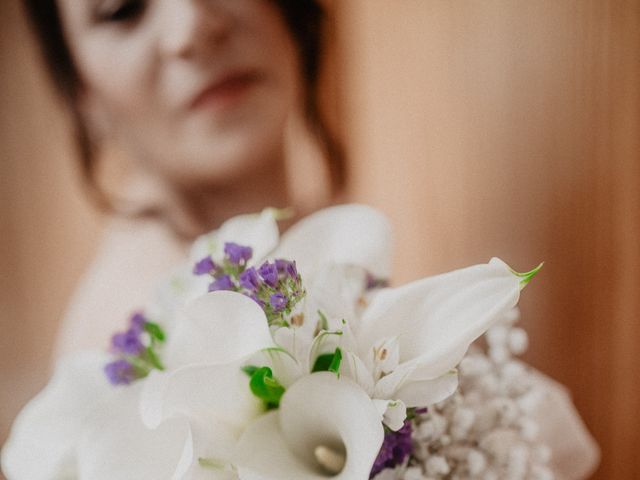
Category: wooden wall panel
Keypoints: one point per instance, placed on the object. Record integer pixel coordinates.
(510, 128)
(47, 230)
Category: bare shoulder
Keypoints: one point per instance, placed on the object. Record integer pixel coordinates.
(133, 257)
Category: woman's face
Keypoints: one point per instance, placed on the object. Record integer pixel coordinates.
(198, 90)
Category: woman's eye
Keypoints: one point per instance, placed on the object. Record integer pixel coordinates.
(119, 11)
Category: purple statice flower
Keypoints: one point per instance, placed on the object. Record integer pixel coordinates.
(128, 343)
(285, 267)
(223, 283)
(395, 449)
(120, 372)
(204, 266)
(237, 254)
(138, 322)
(250, 280)
(375, 282)
(269, 273)
(278, 301)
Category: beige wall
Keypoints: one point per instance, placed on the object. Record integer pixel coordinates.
(501, 127)
(47, 231)
(511, 128)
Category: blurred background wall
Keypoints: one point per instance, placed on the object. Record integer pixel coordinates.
(48, 232)
(512, 128)
(502, 127)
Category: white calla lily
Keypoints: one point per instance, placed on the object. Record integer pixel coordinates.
(116, 445)
(402, 344)
(258, 231)
(218, 327)
(326, 426)
(344, 234)
(45, 436)
(435, 320)
(205, 385)
(214, 401)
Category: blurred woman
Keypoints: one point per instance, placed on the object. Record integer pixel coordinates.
(202, 96)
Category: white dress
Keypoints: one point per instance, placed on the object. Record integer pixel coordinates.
(133, 257)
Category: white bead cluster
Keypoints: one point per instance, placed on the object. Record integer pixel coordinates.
(486, 430)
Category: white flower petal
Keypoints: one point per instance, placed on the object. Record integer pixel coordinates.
(117, 446)
(46, 433)
(171, 295)
(219, 327)
(388, 385)
(422, 393)
(286, 369)
(296, 341)
(353, 234)
(209, 455)
(207, 393)
(318, 414)
(437, 318)
(258, 231)
(216, 404)
(335, 290)
(393, 413)
(384, 356)
(354, 368)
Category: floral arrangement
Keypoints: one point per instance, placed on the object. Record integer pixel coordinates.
(269, 358)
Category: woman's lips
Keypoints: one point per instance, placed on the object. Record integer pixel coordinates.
(225, 92)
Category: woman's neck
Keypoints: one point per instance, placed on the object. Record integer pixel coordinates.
(194, 210)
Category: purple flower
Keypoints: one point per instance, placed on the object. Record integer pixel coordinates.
(127, 342)
(395, 449)
(222, 283)
(120, 372)
(285, 267)
(278, 301)
(204, 266)
(269, 273)
(375, 282)
(237, 253)
(138, 322)
(250, 280)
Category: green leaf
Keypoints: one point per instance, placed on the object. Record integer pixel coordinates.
(324, 323)
(155, 331)
(282, 213)
(212, 463)
(526, 277)
(328, 362)
(250, 370)
(322, 363)
(154, 359)
(266, 388)
(335, 363)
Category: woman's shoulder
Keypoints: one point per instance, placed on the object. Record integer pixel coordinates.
(134, 255)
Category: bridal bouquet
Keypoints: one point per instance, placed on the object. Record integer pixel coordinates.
(269, 358)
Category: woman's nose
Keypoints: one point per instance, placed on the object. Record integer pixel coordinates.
(194, 26)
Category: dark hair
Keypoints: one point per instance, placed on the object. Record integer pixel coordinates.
(304, 19)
